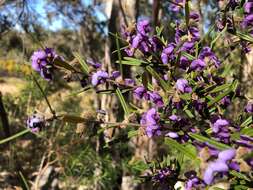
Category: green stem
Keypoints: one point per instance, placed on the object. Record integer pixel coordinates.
(14, 136)
(44, 95)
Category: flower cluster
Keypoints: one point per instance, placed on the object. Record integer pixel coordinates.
(218, 166)
(248, 19)
(42, 62)
(184, 88)
(150, 120)
(35, 122)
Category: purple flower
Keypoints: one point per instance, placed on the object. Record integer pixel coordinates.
(198, 65)
(247, 21)
(115, 74)
(35, 123)
(183, 86)
(225, 101)
(194, 16)
(156, 44)
(143, 27)
(220, 165)
(217, 166)
(129, 82)
(249, 107)
(234, 166)
(93, 63)
(99, 77)
(219, 125)
(136, 41)
(187, 46)
(248, 7)
(38, 58)
(245, 141)
(167, 53)
(156, 99)
(174, 118)
(174, 7)
(42, 62)
(194, 31)
(246, 138)
(129, 51)
(227, 155)
(184, 62)
(172, 135)
(206, 52)
(150, 120)
(199, 105)
(221, 130)
(193, 182)
(140, 92)
(162, 175)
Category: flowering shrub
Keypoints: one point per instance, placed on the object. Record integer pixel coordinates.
(184, 84)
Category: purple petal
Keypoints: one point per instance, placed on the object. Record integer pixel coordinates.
(227, 155)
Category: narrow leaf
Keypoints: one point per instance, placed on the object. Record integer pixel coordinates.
(247, 122)
(119, 55)
(14, 136)
(84, 66)
(180, 148)
(164, 84)
(61, 63)
(122, 101)
(218, 36)
(244, 36)
(210, 141)
(239, 175)
(188, 56)
(131, 134)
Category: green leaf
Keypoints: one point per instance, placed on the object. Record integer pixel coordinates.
(218, 36)
(132, 61)
(131, 134)
(181, 148)
(232, 88)
(24, 180)
(247, 122)
(247, 131)
(61, 63)
(123, 102)
(220, 88)
(159, 30)
(239, 175)
(210, 141)
(244, 36)
(217, 188)
(186, 96)
(139, 165)
(84, 66)
(189, 113)
(164, 84)
(218, 98)
(119, 54)
(188, 56)
(14, 136)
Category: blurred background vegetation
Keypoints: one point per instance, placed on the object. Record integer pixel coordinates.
(63, 157)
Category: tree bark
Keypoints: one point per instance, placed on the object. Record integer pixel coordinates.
(4, 118)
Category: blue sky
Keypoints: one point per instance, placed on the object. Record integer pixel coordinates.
(39, 6)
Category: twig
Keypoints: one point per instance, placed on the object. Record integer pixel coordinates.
(44, 95)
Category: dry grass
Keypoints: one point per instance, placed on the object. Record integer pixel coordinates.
(12, 85)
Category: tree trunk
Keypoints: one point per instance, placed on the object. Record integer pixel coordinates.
(4, 118)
